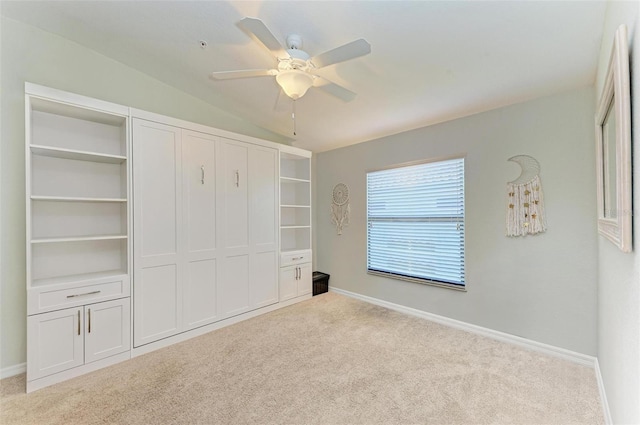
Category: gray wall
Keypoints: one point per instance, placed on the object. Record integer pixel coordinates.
(619, 273)
(30, 54)
(539, 287)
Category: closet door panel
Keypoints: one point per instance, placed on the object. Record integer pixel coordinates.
(199, 180)
(236, 202)
(200, 293)
(264, 279)
(156, 312)
(156, 188)
(264, 198)
(157, 213)
(200, 212)
(234, 286)
(263, 193)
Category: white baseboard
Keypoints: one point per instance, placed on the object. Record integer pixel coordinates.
(551, 350)
(603, 395)
(14, 370)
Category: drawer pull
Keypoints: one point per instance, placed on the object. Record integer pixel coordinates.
(81, 295)
(296, 258)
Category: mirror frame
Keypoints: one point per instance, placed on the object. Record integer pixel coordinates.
(616, 94)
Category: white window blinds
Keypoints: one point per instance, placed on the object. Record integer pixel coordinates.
(415, 219)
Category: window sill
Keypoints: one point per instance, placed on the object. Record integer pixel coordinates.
(451, 286)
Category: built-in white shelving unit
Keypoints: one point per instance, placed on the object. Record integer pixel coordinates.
(78, 241)
(295, 202)
(222, 231)
(295, 224)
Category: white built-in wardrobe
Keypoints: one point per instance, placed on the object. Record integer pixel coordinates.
(144, 230)
(206, 229)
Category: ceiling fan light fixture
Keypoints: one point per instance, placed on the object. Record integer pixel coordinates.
(294, 82)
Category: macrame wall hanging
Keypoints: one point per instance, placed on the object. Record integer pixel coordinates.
(340, 209)
(525, 202)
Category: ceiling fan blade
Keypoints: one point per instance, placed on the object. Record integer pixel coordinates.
(259, 30)
(343, 53)
(335, 89)
(246, 73)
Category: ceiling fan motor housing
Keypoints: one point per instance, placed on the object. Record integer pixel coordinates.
(294, 41)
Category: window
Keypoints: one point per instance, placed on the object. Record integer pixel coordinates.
(415, 222)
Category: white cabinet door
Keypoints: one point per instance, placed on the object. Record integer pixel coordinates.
(233, 286)
(55, 342)
(157, 213)
(200, 243)
(288, 283)
(107, 329)
(305, 279)
(263, 229)
(295, 281)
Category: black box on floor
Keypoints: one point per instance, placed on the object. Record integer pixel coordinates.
(320, 283)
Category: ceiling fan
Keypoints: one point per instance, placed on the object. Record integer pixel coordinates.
(296, 71)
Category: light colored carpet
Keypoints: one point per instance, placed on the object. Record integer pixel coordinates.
(329, 360)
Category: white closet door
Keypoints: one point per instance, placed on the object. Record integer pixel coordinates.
(201, 253)
(233, 285)
(157, 188)
(263, 219)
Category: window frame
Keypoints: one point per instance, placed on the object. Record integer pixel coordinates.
(429, 282)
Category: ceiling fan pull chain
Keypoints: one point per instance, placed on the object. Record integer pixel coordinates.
(293, 116)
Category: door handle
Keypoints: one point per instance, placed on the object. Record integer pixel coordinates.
(202, 176)
(237, 178)
(78, 322)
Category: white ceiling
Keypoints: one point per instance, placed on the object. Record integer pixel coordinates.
(431, 61)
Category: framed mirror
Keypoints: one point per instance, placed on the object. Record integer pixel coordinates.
(613, 138)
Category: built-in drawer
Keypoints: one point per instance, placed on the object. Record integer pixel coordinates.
(45, 299)
(295, 257)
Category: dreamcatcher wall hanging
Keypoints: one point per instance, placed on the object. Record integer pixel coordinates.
(525, 202)
(340, 209)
